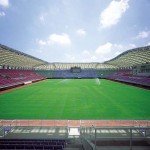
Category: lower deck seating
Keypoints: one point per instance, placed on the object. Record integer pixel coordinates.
(41, 144)
(9, 77)
(46, 73)
(126, 76)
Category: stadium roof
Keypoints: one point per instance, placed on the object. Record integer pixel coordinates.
(132, 57)
(69, 65)
(14, 58)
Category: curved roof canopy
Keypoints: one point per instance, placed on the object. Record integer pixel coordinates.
(65, 66)
(14, 58)
(132, 57)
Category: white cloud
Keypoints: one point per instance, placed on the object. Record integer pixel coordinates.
(41, 42)
(143, 34)
(42, 19)
(117, 53)
(110, 50)
(81, 32)
(4, 3)
(88, 56)
(118, 48)
(94, 58)
(62, 39)
(2, 14)
(148, 43)
(113, 13)
(104, 49)
(132, 45)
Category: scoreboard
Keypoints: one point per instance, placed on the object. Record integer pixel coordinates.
(75, 69)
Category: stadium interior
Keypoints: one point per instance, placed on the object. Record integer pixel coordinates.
(18, 69)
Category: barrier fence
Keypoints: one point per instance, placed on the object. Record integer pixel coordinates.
(91, 131)
(77, 123)
(93, 136)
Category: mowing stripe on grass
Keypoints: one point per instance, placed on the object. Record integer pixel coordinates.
(76, 99)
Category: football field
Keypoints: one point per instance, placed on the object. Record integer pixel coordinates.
(76, 99)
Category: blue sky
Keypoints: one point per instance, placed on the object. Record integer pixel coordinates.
(74, 30)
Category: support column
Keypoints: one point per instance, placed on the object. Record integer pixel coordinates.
(95, 139)
(130, 139)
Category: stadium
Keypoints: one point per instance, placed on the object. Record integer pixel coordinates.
(75, 106)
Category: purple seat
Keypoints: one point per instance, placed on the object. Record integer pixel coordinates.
(58, 147)
(3, 147)
(38, 147)
(19, 146)
(29, 147)
(49, 147)
(10, 146)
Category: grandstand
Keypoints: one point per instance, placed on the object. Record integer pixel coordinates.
(17, 131)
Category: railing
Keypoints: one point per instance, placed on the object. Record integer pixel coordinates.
(87, 145)
(7, 127)
(1, 129)
(77, 123)
(91, 135)
(89, 129)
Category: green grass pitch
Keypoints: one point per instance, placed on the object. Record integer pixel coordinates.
(76, 99)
